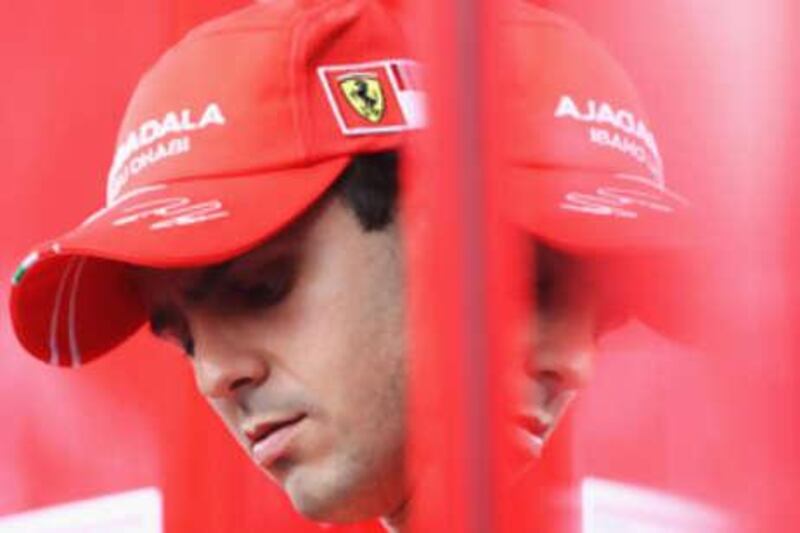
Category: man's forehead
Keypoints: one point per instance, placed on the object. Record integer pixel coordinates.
(552, 260)
(552, 257)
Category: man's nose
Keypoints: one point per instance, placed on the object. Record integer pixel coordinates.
(563, 356)
(564, 367)
(224, 363)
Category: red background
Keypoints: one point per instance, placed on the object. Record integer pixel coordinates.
(719, 80)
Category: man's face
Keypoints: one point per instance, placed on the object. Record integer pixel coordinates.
(299, 347)
(570, 310)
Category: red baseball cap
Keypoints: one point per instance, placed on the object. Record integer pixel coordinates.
(229, 137)
(585, 168)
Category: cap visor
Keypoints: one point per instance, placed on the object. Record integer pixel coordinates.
(595, 211)
(72, 300)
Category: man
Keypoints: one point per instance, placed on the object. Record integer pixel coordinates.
(299, 347)
(251, 219)
(586, 184)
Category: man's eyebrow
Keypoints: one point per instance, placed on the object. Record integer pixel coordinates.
(161, 319)
(209, 279)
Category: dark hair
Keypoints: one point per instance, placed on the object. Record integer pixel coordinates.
(368, 186)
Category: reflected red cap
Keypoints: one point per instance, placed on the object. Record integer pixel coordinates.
(230, 136)
(586, 171)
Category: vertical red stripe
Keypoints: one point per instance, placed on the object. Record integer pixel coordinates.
(451, 267)
(398, 76)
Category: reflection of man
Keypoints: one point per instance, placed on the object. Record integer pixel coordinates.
(573, 310)
(251, 219)
(587, 185)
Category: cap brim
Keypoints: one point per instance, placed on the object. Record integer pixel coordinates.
(644, 237)
(72, 299)
(597, 211)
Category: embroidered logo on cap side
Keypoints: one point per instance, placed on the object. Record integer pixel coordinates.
(364, 93)
(374, 97)
(615, 128)
(157, 139)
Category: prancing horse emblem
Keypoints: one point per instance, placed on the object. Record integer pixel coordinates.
(364, 94)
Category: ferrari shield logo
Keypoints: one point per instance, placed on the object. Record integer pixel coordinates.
(381, 96)
(365, 95)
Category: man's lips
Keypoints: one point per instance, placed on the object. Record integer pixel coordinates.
(536, 427)
(533, 425)
(270, 440)
(532, 433)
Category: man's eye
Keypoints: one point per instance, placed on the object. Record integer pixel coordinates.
(166, 325)
(262, 294)
(184, 341)
(271, 288)
(188, 346)
(544, 292)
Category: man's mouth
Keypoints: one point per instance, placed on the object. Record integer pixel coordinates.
(270, 440)
(535, 427)
(533, 424)
(532, 433)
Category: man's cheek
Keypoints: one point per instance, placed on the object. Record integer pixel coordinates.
(227, 413)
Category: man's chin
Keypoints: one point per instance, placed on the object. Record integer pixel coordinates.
(320, 500)
(317, 509)
(334, 499)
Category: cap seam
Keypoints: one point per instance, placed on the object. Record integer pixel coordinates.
(229, 31)
(298, 72)
(208, 28)
(247, 171)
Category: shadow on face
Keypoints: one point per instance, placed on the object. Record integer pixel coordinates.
(571, 307)
(299, 347)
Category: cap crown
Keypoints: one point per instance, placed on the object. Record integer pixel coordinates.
(273, 86)
(571, 104)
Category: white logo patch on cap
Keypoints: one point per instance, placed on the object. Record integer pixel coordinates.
(146, 144)
(375, 97)
(618, 129)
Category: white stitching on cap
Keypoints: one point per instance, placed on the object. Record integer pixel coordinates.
(127, 196)
(73, 340)
(54, 355)
(660, 187)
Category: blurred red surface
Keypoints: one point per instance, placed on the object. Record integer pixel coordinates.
(717, 424)
(133, 419)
